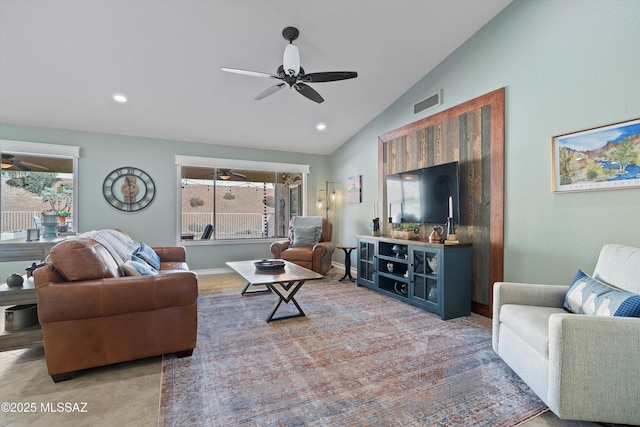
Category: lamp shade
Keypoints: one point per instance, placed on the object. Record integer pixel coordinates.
(291, 60)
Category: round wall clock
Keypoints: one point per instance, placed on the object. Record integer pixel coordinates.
(129, 189)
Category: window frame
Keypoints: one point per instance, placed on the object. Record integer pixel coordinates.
(222, 163)
(49, 150)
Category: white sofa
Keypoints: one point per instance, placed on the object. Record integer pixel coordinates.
(584, 367)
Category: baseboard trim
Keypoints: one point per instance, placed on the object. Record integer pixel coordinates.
(223, 270)
(354, 270)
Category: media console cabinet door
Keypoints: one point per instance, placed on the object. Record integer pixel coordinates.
(367, 250)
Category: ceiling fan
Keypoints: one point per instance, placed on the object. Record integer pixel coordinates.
(9, 161)
(226, 174)
(293, 75)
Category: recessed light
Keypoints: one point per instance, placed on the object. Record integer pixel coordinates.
(120, 98)
(320, 127)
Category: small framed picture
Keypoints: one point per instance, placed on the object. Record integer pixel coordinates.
(354, 189)
(602, 158)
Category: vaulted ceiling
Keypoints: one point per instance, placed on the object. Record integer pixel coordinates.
(61, 62)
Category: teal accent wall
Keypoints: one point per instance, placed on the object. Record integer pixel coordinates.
(155, 225)
(566, 65)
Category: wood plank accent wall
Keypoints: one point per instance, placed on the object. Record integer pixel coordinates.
(473, 134)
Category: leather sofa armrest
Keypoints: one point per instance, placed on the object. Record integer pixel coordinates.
(114, 296)
(171, 253)
(278, 247)
(323, 248)
(593, 367)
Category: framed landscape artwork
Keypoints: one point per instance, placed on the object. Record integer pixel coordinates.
(354, 189)
(602, 158)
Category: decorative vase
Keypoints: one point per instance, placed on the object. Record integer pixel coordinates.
(433, 294)
(433, 264)
(399, 250)
(400, 288)
(50, 223)
(436, 234)
(14, 280)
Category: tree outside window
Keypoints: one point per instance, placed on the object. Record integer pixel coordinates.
(30, 185)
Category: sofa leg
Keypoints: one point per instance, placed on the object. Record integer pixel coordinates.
(184, 353)
(65, 376)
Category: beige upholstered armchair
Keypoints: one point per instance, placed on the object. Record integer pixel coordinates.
(309, 244)
(583, 364)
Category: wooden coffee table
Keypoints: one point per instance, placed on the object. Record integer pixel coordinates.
(284, 283)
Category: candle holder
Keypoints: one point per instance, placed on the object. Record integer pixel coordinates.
(451, 230)
(376, 227)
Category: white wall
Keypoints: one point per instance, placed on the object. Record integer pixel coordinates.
(567, 65)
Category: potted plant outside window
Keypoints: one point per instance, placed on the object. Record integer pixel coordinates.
(63, 215)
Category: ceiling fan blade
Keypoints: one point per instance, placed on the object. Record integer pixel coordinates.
(251, 73)
(309, 92)
(269, 91)
(29, 166)
(328, 76)
(240, 175)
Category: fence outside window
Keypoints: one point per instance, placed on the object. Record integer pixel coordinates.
(18, 220)
(227, 225)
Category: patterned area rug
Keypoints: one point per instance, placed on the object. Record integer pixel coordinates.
(357, 359)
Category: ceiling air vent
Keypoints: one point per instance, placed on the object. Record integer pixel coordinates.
(430, 102)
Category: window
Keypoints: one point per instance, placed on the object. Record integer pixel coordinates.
(224, 199)
(37, 178)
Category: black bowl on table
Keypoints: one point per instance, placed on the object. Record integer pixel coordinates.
(269, 264)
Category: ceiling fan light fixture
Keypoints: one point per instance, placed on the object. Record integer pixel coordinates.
(291, 60)
(120, 98)
(291, 74)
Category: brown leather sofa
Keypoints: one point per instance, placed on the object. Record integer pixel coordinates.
(316, 258)
(92, 316)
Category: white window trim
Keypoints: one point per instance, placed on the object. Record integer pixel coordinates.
(38, 148)
(240, 164)
(50, 150)
(213, 162)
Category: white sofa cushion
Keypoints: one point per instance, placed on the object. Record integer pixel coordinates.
(619, 266)
(531, 322)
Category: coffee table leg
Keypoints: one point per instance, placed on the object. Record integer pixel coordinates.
(259, 291)
(286, 299)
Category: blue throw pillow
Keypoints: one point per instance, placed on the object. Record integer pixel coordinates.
(587, 295)
(148, 255)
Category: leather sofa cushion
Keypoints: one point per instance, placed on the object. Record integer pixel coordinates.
(531, 324)
(133, 294)
(83, 259)
(297, 254)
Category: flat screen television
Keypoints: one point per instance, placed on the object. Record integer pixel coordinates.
(425, 195)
